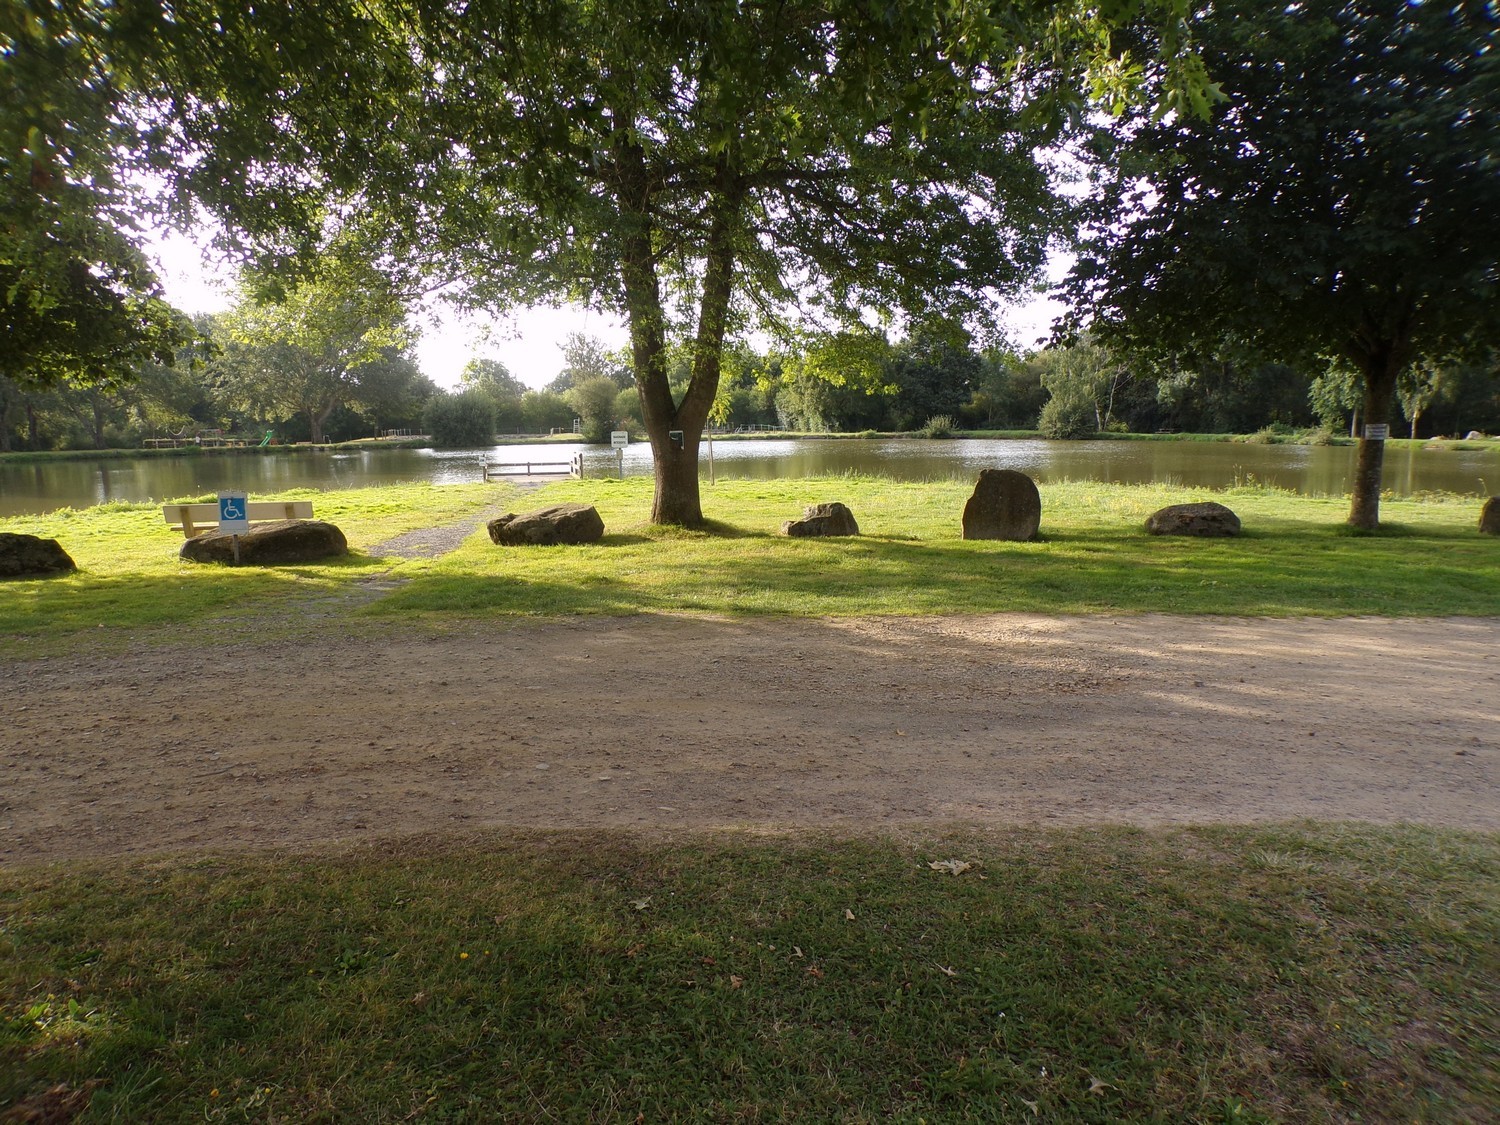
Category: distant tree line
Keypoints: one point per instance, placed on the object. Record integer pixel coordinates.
(317, 365)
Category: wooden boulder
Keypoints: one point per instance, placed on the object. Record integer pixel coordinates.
(822, 519)
(31, 556)
(266, 544)
(561, 524)
(1005, 505)
(1207, 520)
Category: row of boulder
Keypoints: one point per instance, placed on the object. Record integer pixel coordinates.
(1005, 505)
(278, 542)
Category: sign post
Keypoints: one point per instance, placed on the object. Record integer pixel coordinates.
(620, 439)
(234, 517)
(1377, 433)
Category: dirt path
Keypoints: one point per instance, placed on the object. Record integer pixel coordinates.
(664, 722)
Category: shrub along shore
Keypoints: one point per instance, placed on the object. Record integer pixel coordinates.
(1316, 972)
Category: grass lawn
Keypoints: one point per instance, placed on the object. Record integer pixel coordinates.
(1296, 974)
(1300, 973)
(1296, 556)
(130, 579)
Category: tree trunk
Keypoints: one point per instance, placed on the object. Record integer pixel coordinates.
(677, 499)
(1380, 390)
(316, 416)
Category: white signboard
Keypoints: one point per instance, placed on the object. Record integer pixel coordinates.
(1377, 433)
(234, 512)
(619, 439)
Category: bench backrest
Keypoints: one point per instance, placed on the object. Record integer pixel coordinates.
(193, 518)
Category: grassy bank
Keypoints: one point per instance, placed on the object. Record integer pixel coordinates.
(253, 450)
(1295, 557)
(54, 455)
(1263, 437)
(1306, 974)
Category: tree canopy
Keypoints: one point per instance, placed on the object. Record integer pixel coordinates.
(691, 166)
(1344, 206)
(78, 301)
(326, 343)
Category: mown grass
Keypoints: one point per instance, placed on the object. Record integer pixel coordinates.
(1309, 973)
(1268, 974)
(130, 576)
(1296, 556)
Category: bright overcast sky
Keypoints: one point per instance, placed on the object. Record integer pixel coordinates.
(528, 343)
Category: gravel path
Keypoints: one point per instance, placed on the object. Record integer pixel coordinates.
(662, 723)
(430, 542)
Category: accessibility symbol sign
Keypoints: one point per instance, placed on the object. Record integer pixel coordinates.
(234, 512)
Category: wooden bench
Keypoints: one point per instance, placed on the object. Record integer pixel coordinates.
(196, 519)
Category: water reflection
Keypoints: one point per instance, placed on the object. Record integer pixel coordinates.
(1311, 470)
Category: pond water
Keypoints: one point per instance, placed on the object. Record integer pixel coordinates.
(1311, 470)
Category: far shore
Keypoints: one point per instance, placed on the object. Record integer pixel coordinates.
(420, 441)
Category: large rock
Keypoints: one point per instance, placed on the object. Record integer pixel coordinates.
(1207, 520)
(282, 541)
(822, 519)
(1005, 505)
(546, 527)
(28, 556)
(1489, 516)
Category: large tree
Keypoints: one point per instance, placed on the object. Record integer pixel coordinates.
(1343, 208)
(322, 344)
(584, 358)
(689, 165)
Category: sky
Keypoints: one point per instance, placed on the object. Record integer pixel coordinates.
(528, 342)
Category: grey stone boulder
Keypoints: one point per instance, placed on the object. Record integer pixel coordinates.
(266, 544)
(822, 519)
(31, 556)
(569, 524)
(1206, 520)
(1005, 505)
(1489, 516)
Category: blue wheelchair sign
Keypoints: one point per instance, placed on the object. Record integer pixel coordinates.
(234, 512)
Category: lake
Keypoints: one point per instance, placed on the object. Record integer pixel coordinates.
(1311, 470)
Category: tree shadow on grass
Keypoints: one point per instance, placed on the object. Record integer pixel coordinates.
(87, 601)
(1281, 571)
(714, 529)
(1071, 572)
(623, 539)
